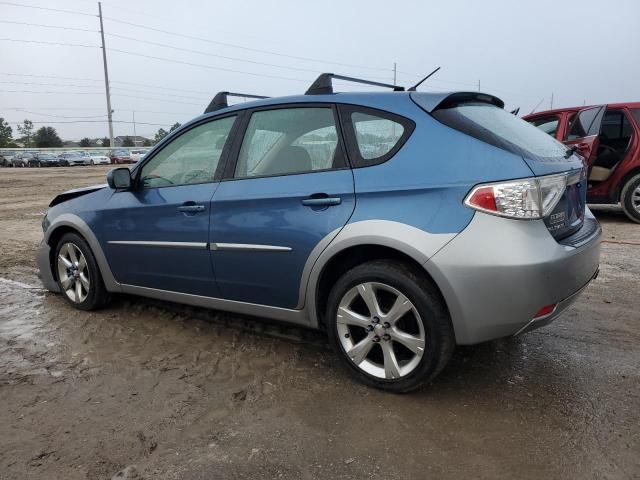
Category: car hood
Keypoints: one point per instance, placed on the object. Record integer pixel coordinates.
(77, 192)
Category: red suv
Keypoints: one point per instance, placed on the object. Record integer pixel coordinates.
(608, 137)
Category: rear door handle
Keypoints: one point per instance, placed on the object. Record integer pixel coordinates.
(191, 208)
(321, 201)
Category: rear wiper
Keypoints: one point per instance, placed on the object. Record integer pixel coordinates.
(571, 150)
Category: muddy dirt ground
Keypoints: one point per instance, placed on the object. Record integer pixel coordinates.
(182, 393)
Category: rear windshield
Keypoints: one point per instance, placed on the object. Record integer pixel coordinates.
(500, 128)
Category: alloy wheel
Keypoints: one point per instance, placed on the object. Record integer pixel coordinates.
(73, 272)
(380, 330)
(635, 199)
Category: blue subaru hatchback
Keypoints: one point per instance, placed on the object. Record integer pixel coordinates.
(399, 223)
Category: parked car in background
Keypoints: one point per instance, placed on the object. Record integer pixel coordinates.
(44, 160)
(608, 137)
(22, 159)
(96, 158)
(399, 223)
(6, 158)
(71, 159)
(138, 154)
(121, 156)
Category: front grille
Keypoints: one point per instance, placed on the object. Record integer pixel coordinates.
(590, 227)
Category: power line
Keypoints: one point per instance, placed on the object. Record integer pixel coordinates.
(278, 77)
(98, 80)
(47, 43)
(59, 10)
(19, 109)
(155, 100)
(54, 116)
(89, 121)
(50, 92)
(50, 76)
(241, 47)
(155, 93)
(209, 54)
(49, 26)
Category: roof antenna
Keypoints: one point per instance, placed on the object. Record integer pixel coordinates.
(413, 89)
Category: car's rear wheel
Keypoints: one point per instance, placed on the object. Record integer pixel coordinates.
(630, 198)
(78, 274)
(388, 324)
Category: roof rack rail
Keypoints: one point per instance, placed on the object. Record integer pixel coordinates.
(220, 100)
(323, 84)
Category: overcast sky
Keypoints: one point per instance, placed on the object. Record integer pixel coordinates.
(522, 51)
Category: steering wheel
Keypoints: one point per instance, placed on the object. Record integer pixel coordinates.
(156, 177)
(193, 174)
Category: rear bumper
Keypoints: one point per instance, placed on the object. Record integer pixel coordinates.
(498, 273)
(43, 257)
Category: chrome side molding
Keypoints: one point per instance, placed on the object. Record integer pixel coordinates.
(201, 245)
(248, 247)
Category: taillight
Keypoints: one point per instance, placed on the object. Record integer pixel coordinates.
(527, 199)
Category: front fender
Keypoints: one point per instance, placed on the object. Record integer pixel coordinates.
(73, 221)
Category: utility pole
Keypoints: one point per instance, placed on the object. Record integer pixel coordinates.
(394, 73)
(106, 79)
(478, 85)
(135, 136)
(551, 107)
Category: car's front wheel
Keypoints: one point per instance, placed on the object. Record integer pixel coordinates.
(630, 198)
(78, 274)
(389, 325)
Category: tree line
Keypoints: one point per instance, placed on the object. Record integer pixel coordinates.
(47, 137)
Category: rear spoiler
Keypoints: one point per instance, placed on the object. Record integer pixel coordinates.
(434, 101)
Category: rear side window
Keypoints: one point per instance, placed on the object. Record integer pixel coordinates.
(375, 136)
(548, 125)
(289, 140)
(497, 127)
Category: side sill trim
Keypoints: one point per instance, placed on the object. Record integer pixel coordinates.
(201, 245)
(297, 317)
(249, 247)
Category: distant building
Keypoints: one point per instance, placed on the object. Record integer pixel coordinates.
(138, 141)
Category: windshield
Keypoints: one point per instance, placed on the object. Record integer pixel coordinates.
(121, 152)
(500, 128)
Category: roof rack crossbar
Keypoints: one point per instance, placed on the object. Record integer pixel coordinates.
(323, 84)
(220, 100)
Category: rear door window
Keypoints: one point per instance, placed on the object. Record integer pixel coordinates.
(285, 141)
(375, 136)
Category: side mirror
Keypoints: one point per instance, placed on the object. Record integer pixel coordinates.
(119, 178)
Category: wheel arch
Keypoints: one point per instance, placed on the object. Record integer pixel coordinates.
(364, 241)
(623, 181)
(67, 223)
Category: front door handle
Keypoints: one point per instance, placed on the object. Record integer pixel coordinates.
(191, 208)
(321, 201)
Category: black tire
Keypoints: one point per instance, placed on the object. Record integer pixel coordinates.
(97, 296)
(631, 188)
(414, 284)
